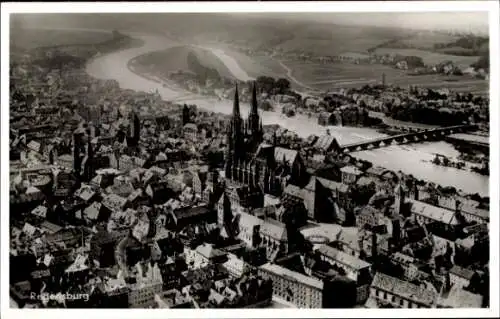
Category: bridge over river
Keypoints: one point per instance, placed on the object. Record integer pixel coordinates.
(414, 136)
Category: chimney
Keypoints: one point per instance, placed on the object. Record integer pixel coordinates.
(415, 191)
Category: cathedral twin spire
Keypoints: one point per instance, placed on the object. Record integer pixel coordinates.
(240, 130)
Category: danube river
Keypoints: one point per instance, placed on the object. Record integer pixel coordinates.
(411, 159)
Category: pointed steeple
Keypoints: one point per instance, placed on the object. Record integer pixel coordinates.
(254, 121)
(254, 100)
(236, 103)
(275, 139)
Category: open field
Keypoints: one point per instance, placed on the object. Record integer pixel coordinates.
(324, 77)
(431, 58)
(33, 38)
(324, 39)
(257, 65)
(176, 58)
(314, 73)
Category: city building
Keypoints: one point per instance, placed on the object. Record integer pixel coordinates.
(301, 290)
(148, 283)
(350, 174)
(236, 266)
(386, 290)
(460, 276)
(204, 255)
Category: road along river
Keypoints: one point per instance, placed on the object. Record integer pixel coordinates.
(411, 159)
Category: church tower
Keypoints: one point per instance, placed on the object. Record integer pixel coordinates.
(254, 122)
(399, 193)
(78, 145)
(135, 129)
(88, 161)
(235, 140)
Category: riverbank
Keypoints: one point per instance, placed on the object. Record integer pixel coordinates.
(405, 158)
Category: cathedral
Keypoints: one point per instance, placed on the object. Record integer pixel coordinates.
(252, 163)
(253, 168)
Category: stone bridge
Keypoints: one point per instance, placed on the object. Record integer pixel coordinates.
(416, 136)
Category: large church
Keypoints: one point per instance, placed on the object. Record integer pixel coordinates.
(251, 162)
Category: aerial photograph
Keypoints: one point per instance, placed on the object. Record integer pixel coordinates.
(249, 160)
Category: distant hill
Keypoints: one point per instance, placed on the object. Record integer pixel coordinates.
(266, 32)
(33, 38)
(262, 32)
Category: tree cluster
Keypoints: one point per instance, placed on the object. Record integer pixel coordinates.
(269, 85)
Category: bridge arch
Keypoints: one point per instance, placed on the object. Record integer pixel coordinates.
(414, 135)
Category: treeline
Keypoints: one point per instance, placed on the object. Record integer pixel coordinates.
(76, 55)
(473, 45)
(119, 41)
(61, 61)
(483, 63)
(464, 46)
(469, 45)
(421, 113)
(269, 85)
(411, 60)
(393, 44)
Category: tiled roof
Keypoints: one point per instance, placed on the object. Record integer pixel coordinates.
(404, 289)
(32, 190)
(462, 272)
(187, 212)
(50, 227)
(248, 220)
(135, 194)
(29, 229)
(40, 211)
(481, 213)
(343, 258)
(292, 275)
(281, 153)
(439, 214)
(98, 181)
(332, 185)
(351, 170)
(34, 145)
(293, 190)
(328, 231)
(350, 238)
(79, 264)
(208, 251)
(274, 229)
(92, 212)
(402, 258)
(365, 180)
(114, 202)
(325, 142)
(85, 192)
